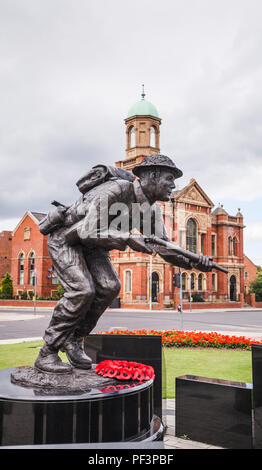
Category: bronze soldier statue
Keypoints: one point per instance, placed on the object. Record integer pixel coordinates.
(79, 243)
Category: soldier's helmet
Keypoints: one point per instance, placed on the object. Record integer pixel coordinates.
(154, 161)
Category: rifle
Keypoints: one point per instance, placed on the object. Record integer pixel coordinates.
(168, 248)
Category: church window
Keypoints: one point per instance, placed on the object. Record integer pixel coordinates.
(184, 279)
(213, 282)
(32, 269)
(213, 245)
(21, 265)
(152, 136)
(234, 246)
(191, 236)
(229, 243)
(202, 239)
(132, 137)
(200, 282)
(128, 282)
(192, 281)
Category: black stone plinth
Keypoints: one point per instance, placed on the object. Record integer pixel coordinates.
(214, 411)
(257, 394)
(146, 349)
(117, 412)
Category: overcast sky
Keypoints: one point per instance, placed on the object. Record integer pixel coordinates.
(71, 69)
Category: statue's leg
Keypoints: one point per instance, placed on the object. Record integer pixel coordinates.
(107, 287)
(74, 276)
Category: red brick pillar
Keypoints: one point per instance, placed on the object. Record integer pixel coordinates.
(253, 300)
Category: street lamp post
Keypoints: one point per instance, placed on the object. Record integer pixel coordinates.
(35, 291)
(150, 283)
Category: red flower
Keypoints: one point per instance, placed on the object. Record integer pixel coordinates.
(124, 370)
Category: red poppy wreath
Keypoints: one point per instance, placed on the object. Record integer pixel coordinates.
(124, 370)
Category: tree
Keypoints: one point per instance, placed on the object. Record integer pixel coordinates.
(256, 287)
(7, 287)
(259, 270)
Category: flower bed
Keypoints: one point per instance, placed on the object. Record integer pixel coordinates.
(175, 338)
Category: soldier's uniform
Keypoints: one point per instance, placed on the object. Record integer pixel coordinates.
(79, 245)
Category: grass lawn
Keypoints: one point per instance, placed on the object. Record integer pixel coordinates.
(230, 364)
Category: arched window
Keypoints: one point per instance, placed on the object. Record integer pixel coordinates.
(213, 245)
(200, 282)
(234, 246)
(155, 286)
(213, 282)
(152, 136)
(131, 137)
(233, 288)
(184, 279)
(32, 269)
(128, 282)
(202, 240)
(229, 240)
(21, 266)
(192, 281)
(191, 235)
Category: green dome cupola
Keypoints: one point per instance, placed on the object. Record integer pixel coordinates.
(143, 108)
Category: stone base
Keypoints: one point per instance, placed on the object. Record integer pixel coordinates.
(38, 409)
(80, 380)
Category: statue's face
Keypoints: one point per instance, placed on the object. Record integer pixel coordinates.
(165, 184)
(157, 185)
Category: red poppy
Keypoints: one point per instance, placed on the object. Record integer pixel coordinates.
(124, 370)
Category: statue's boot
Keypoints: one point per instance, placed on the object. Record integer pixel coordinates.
(49, 361)
(76, 355)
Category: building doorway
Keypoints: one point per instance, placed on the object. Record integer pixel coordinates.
(155, 286)
(233, 288)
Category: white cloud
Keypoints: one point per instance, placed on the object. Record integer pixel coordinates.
(253, 232)
(70, 70)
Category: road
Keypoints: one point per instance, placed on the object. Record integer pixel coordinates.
(24, 323)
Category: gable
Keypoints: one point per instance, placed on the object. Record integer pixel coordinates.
(28, 216)
(193, 194)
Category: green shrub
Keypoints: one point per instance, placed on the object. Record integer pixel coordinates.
(256, 287)
(197, 297)
(7, 287)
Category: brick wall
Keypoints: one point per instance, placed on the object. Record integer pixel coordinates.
(5, 252)
(250, 273)
(27, 239)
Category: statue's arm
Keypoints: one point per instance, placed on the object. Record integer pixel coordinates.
(159, 229)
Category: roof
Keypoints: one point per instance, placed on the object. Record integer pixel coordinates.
(35, 216)
(220, 211)
(38, 215)
(193, 192)
(143, 108)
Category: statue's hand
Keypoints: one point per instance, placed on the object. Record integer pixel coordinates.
(204, 264)
(137, 243)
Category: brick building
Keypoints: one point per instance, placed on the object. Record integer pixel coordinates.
(250, 273)
(191, 221)
(5, 253)
(30, 259)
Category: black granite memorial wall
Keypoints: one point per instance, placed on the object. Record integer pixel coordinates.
(257, 393)
(218, 412)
